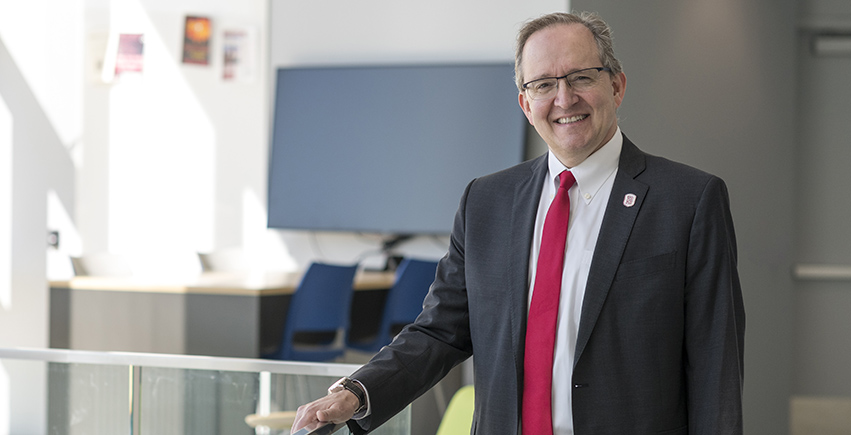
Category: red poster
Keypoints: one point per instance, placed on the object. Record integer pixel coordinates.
(129, 55)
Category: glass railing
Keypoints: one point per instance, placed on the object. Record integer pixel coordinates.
(118, 393)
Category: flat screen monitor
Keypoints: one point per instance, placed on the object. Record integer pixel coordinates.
(387, 149)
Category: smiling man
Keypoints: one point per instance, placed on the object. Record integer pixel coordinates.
(558, 59)
(596, 285)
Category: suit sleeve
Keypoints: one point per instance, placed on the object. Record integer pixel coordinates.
(715, 319)
(425, 351)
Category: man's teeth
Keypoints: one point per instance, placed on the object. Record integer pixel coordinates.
(571, 119)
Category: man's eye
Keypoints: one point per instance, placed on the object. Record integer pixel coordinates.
(542, 86)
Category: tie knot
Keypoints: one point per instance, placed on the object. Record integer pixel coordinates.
(566, 179)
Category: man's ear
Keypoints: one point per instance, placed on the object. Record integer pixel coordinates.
(524, 104)
(619, 87)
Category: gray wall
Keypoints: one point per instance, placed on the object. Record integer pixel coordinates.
(712, 84)
(822, 352)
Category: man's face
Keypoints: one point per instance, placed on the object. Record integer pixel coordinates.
(573, 124)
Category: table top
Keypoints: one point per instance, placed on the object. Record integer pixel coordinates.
(224, 283)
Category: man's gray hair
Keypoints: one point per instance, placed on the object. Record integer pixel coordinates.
(601, 31)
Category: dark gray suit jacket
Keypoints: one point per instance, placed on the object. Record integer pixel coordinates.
(661, 337)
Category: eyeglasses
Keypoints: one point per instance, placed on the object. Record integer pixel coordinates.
(581, 80)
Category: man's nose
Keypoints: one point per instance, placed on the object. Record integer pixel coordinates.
(565, 95)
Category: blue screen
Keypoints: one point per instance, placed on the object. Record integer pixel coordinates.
(388, 149)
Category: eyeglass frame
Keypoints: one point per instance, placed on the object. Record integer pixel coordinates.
(525, 86)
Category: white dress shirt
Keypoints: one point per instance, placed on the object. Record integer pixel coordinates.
(588, 198)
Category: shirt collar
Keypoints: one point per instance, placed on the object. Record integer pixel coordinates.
(592, 173)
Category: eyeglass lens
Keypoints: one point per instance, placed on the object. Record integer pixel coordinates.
(578, 81)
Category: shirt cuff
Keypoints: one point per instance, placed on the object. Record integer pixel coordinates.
(367, 411)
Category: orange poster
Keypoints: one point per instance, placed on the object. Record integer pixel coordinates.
(196, 40)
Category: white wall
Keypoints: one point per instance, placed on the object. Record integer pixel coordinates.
(196, 180)
(174, 160)
(392, 31)
(35, 167)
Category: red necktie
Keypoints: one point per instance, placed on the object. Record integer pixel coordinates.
(543, 312)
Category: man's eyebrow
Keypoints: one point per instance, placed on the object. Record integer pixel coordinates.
(542, 76)
(555, 77)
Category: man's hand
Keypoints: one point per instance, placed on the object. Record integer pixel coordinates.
(337, 407)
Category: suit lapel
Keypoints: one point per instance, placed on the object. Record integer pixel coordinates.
(616, 227)
(527, 194)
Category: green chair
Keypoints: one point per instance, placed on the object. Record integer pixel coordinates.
(458, 418)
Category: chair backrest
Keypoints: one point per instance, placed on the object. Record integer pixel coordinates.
(458, 418)
(321, 303)
(405, 299)
(403, 304)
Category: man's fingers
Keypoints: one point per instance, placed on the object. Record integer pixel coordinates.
(336, 412)
(326, 415)
(305, 416)
(333, 408)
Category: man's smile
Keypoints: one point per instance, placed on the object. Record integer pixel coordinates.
(571, 119)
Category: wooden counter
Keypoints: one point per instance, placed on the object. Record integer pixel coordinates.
(225, 283)
(219, 314)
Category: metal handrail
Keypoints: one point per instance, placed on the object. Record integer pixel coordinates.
(178, 361)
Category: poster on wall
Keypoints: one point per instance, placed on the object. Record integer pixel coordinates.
(196, 40)
(238, 47)
(129, 57)
(124, 56)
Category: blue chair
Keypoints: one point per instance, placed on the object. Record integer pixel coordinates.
(318, 316)
(404, 302)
